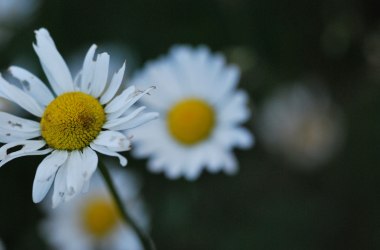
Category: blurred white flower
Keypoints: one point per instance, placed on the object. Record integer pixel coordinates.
(92, 221)
(1, 245)
(200, 114)
(14, 13)
(301, 124)
(81, 117)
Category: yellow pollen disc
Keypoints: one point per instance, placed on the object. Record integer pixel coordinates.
(72, 121)
(100, 216)
(191, 121)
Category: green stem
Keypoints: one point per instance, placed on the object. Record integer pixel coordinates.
(144, 238)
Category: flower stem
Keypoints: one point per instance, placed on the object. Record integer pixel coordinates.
(144, 238)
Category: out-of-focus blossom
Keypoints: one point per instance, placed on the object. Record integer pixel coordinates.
(1, 245)
(93, 221)
(83, 116)
(372, 53)
(14, 13)
(200, 114)
(301, 124)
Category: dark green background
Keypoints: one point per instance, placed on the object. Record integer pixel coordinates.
(268, 205)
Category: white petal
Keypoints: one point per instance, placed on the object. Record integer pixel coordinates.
(59, 193)
(27, 148)
(235, 110)
(113, 140)
(46, 172)
(32, 85)
(100, 75)
(88, 69)
(111, 123)
(90, 163)
(11, 122)
(52, 62)
(113, 86)
(106, 151)
(117, 103)
(227, 82)
(75, 179)
(137, 121)
(18, 96)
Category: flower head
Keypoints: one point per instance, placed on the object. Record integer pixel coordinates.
(200, 114)
(81, 116)
(302, 125)
(93, 221)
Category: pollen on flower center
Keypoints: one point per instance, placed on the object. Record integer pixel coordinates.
(191, 121)
(99, 217)
(72, 121)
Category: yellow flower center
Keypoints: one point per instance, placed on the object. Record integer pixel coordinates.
(191, 121)
(72, 121)
(100, 217)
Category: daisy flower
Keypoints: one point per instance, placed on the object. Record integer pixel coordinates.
(302, 125)
(93, 222)
(200, 114)
(79, 118)
(1, 245)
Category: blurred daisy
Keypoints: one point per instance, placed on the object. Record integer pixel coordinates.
(301, 124)
(81, 117)
(93, 221)
(1, 245)
(201, 112)
(13, 13)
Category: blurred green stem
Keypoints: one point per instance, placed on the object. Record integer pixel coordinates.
(144, 238)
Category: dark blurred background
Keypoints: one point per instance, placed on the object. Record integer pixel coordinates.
(269, 204)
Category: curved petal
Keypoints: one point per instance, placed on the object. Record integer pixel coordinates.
(112, 123)
(45, 174)
(137, 121)
(106, 151)
(100, 75)
(32, 85)
(74, 180)
(113, 140)
(119, 100)
(114, 86)
(59, 193)
(88, 69)
(16, 95)
(52, 62)
(27, 148)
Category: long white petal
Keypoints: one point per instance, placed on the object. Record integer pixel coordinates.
(111, 123)
(100, 75)
(88, 69)
(11, 122)
(127, 103)
(54, 66)
(18, 96)
(90, 163)
(45, 174)
(27, 148)
(119, 100)
(114, 86)
(32, 85)
(106, 151)
(137, 121)
(59, 193)
(113, 140)
(74, 180)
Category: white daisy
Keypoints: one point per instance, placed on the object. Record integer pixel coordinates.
(302, 125)
(200, 112)
(92, 222)
(81, 117)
